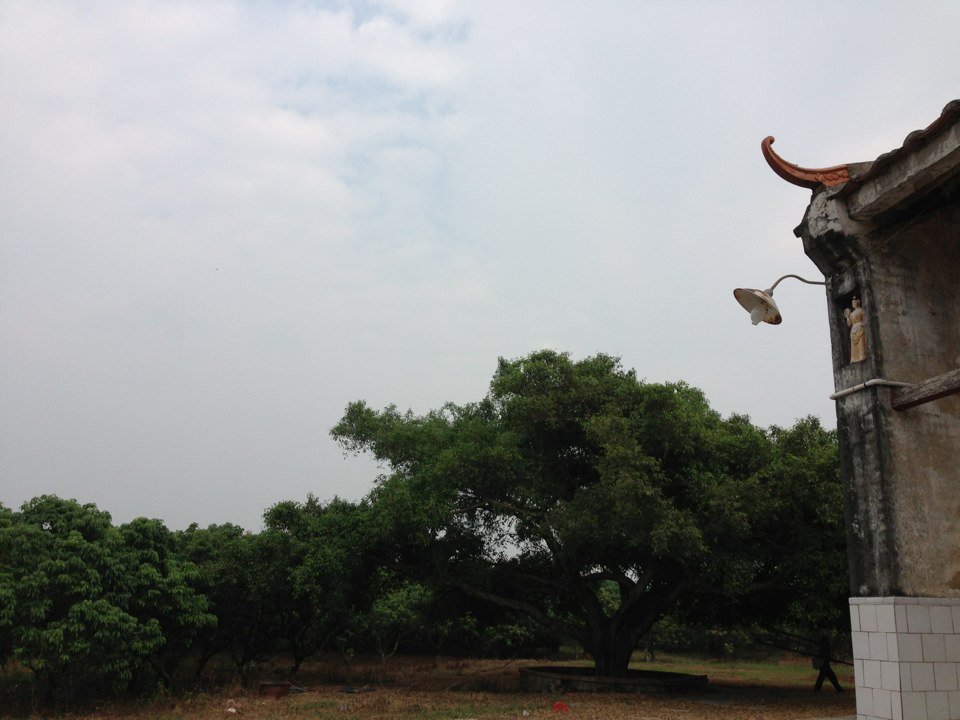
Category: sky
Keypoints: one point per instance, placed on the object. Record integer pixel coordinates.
(223, 221)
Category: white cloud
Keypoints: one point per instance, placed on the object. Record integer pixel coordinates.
(220, 222)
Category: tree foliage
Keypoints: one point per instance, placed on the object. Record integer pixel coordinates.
(573, 501)
(163, 590)
(805, 580)
(566, 476)
(67, 581)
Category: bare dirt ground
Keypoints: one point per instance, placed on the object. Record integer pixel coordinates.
(446, 688)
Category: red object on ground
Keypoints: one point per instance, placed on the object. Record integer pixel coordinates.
(561, 707)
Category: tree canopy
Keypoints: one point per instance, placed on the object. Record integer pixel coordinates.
(86, 600)
(566, 476)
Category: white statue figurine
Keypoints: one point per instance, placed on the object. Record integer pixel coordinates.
(858, 339)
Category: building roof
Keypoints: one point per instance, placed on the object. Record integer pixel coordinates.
(928, 160)
(912, 143)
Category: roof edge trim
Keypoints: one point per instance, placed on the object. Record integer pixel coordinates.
(811, 178)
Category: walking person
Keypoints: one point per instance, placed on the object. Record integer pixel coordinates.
(824, 656)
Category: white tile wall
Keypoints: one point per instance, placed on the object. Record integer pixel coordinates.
(951, 646)
(945, 676)
(941, 619)
(918, 618)
(938, 706)
(954, 703)
(934, 646)
(890, 676)
(906, 658)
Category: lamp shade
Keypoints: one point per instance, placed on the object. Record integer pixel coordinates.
(760, 305)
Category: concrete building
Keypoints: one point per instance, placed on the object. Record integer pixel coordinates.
(886, 236)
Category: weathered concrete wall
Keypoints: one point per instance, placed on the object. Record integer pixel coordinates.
(901, 468)
(915, 271)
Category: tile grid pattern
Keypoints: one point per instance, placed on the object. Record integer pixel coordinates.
(906, 657)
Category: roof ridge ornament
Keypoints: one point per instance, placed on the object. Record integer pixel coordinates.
(804, 177)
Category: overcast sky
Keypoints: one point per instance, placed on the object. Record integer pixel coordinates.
(220, 222)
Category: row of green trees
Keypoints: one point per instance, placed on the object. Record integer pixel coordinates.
(573, 502)
(100, 609)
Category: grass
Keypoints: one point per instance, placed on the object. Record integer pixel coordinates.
(450, 689)
(784, 672)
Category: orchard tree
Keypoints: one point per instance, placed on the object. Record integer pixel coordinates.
(355, 582)
(567, 477)
(797, 552)
(164, 591)
(802, 585)
(807, 553)
(243, 577)
(332, 553)
(8, 533)
(64, 577)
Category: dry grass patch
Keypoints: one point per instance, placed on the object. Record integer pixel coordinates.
(448, 689)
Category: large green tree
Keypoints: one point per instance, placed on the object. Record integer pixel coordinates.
(569, 476)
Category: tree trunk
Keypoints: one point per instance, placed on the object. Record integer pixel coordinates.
(611, 641)
(612, 659)
(610, 645)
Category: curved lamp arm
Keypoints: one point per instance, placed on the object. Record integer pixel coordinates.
(808, 282)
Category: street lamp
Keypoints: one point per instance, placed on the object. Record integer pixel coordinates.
(760, 303)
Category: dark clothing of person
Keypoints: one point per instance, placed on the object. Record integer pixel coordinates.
(825, 654)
